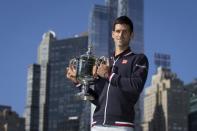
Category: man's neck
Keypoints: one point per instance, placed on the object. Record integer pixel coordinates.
(120, 50)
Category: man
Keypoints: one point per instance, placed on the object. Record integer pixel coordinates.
(120, 83)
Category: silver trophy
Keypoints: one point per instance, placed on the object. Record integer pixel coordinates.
(84, 71)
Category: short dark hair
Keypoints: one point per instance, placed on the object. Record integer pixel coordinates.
(123, 20)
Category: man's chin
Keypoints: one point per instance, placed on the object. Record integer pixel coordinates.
(121, 44)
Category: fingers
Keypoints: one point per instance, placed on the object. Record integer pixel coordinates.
(107, 62)
(70, 72)
(71, 67)
(102, 70)
(68, 75)
(67, 72)
(94, 71)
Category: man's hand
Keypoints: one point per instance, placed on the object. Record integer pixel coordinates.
(102, 70)
(71, 74)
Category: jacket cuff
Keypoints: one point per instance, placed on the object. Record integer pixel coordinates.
(77, 84)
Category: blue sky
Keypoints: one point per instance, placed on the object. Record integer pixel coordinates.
(169, 27)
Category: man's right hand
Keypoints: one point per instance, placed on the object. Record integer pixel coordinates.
(71, 74)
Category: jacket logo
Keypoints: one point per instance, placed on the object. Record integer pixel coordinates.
(124, 61)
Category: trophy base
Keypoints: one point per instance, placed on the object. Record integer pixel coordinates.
(85, 97)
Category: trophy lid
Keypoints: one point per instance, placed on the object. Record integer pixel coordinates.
(90, 47)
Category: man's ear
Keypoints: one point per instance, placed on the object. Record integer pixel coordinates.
(112, 34)
(132, 35)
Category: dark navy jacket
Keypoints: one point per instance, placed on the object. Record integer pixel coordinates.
(116, 96)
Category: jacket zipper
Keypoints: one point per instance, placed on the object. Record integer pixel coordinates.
(108, 93)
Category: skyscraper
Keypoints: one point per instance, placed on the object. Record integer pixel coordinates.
(165, 103)
(43, 60)
(32, 101)
(98, 30)
(192, 88)
(54, 106)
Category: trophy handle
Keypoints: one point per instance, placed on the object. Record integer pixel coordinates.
(73, 62)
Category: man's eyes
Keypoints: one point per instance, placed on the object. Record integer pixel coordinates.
(123, 31)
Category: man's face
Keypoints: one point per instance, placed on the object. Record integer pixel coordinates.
(121, 35)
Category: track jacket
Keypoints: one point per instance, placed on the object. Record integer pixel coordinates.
(115, 98)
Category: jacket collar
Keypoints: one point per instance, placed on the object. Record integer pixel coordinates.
(124, 53)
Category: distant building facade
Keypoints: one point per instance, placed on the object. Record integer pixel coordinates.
(10, 120)
(165, 103)
(192, 88)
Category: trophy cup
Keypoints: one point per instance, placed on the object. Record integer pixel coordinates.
(84, 66)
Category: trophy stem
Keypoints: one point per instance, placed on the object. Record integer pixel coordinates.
(84, 95)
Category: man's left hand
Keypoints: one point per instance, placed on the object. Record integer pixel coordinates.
(103, 71)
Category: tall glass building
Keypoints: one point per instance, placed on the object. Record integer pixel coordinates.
(51, 97)
(65, 110)
(98, 30)
(32, 102)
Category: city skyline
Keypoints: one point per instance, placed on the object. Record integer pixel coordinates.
(168, 28)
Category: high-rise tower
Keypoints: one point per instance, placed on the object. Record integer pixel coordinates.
(51, 102)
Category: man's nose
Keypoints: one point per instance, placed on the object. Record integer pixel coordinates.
(121, 34)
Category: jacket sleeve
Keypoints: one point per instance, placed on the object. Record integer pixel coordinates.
(134, 83)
